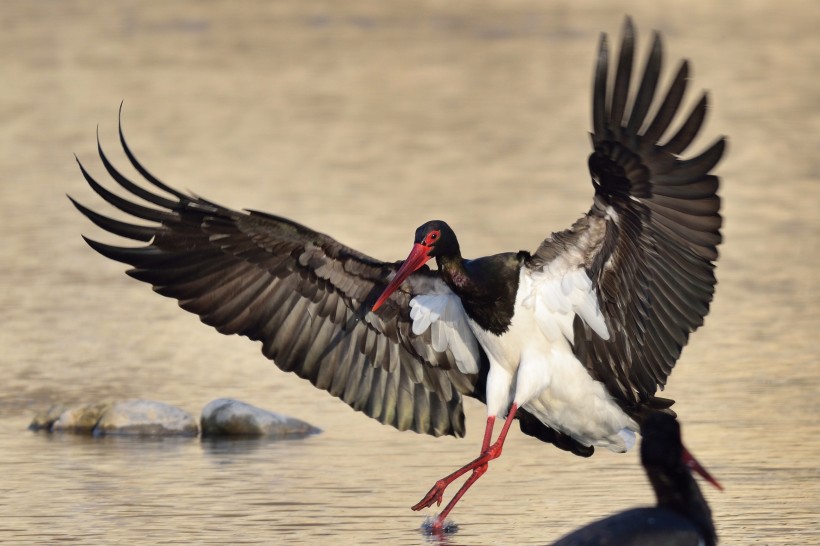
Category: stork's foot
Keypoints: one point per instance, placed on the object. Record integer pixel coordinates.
(478, 466)
(433, 496)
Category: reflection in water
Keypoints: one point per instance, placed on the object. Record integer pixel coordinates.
(363, 123)
(224, 448)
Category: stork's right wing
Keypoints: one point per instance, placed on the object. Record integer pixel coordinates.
(647, 247)
(302, 294)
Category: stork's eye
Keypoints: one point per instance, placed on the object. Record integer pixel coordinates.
(432, 237)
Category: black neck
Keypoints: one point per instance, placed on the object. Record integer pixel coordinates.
(677, 491)
(487, 287)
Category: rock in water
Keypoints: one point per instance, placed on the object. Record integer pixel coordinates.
(227, 417)
(80, 419)
(145, 418)
(45, 419)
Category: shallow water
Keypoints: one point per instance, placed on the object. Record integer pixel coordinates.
(363, 122)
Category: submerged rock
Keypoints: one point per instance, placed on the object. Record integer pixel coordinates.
(45, 419)
(145, 418)
(227, 417)
(80, 419)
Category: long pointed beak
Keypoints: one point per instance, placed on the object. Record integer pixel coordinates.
(695, 466)
(417, 258)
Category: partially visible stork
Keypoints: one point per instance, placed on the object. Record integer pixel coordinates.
(681, 517)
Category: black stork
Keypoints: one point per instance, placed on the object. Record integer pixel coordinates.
(572, 340)
(681, 517)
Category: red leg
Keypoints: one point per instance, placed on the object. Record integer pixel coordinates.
(436, 492)
(478, 466)
(488, 433)
(477, 473)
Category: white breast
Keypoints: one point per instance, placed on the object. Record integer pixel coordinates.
(533, 364)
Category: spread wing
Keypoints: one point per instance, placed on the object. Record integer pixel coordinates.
(648, 244)
(302, 294)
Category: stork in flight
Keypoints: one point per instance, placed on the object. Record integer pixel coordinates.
(572, 340)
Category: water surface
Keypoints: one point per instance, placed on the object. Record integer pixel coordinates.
(364, 121)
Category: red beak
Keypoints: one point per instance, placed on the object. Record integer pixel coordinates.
(695, 466)
(417, 258)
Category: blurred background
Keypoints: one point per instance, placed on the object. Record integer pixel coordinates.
(362, 120)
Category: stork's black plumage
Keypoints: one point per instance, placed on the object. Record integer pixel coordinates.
(573, 339)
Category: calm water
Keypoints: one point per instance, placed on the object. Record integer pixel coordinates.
(363, 123)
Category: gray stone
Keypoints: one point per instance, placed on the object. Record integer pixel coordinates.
(80, 419)
(145, 418)
(227, 417)
(45, 420)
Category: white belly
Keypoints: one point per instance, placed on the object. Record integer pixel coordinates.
(536, 369)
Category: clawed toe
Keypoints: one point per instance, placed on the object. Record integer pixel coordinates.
(433, 496)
